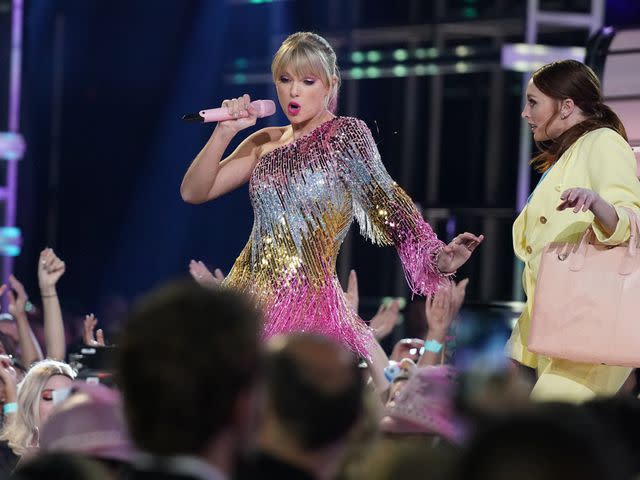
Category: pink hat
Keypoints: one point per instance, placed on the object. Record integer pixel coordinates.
(426, 405)
(89, 422)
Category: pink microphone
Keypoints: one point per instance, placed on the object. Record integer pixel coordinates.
(263, 107)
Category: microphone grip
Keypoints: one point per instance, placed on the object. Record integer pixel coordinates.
(264, 108)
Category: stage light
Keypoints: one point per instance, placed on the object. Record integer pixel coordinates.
(240, 78)
(241, 63)
(470, 12)
(432, 69)
(421, 53)
(356, 73)
(12, 146)
(462, 50)
(400, 55)
(373, 72)
(462, 67)
(357, 57)
(432, 52)
(400, 71)
(10, 241)
(374, 56)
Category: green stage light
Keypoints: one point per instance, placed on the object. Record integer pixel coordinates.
(400, 55)
(240, 78)
(400, 71)
(462, 67)
(374, 56)
(462, 51)
(357, 57)
(470, 12)
(373, 72)
(240, 63)
(356, 73)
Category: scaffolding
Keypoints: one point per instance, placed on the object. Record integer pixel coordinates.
(12, 147)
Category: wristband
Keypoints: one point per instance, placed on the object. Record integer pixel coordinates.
(11, 407)
(433, 346)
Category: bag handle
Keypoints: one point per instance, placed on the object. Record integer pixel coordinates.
(627, 265)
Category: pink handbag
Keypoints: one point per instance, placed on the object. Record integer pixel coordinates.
(586, 306)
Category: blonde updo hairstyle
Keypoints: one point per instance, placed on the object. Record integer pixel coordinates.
(306, 53)
(21, 429)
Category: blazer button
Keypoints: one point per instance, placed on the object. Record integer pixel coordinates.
(543, 220)
(529, 250)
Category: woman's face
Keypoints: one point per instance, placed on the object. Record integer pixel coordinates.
(301, 98)
(538, 112)
(56, 382)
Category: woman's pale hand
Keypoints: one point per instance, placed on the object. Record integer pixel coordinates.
(459, 250)
(244, 115)
(97, 340)
(439, 311)
(17, 300)
(580, 199)
(352, 294)
(50, 269)
(9, 378)
(385, 320)
(203, 275)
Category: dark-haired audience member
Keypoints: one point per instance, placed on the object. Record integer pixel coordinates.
(562, 441)
(406, 458)
(188, 366)
(58, 465)
(314, 401)
(621, 414)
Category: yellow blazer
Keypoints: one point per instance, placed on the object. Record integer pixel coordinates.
(600, 160)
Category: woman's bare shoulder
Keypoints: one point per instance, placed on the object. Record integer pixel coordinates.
(269, 138)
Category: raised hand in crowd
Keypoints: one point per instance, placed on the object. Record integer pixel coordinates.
(385, 319)
(203, 275)
(441, 309)
(407, 348)
(30, 351)
(352, 293)
(50, 269)
(91, 336)
(9, 380)
(458, 293)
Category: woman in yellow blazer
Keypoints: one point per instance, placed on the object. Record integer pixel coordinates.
(589, 174)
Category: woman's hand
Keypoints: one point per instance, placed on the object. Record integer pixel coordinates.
(17, 301)
(456, 254)
(584, 199)
(386, 319)
(203, 275)
(50, 269)
(352, 293)
(580, 199)
(244, 115)
(97, 340)
(438, 310)
(9, 378)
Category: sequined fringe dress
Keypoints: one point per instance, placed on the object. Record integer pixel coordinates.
(305, 195)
